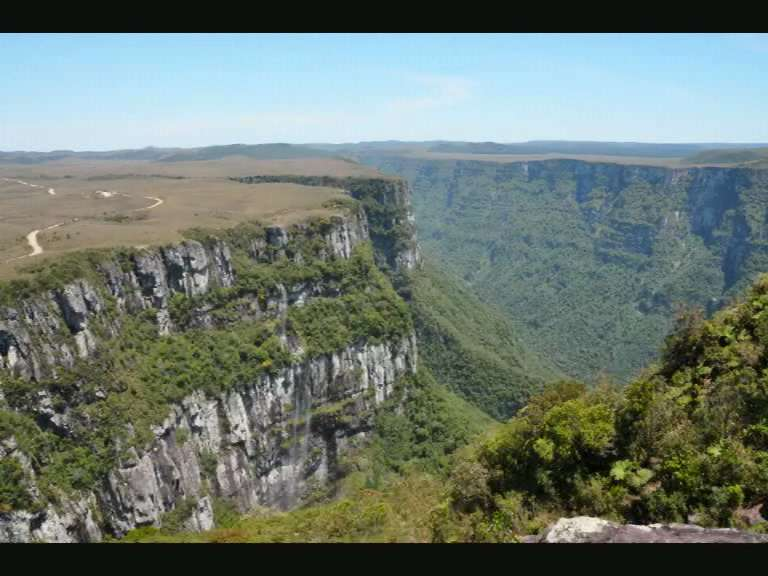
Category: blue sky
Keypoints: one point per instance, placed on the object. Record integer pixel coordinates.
(100, 92)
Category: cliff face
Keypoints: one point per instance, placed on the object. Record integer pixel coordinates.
(52, 330)
(387, 203)
(267, 443)
(723, 207)
(269, 439)
(591, 259)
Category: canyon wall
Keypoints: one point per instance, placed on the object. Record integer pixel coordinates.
(267, 441)
(591, 260)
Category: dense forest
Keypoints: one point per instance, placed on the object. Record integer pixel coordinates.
(687, 441)
(589, 261)
(470, 346)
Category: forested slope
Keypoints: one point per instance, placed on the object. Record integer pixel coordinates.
(471, 347)
(591, 260)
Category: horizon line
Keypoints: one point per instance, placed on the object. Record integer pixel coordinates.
(393, 141)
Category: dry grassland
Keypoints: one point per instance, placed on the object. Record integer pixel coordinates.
(106, 204)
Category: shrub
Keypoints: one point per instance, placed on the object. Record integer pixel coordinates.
(174, 520)
(13, 486)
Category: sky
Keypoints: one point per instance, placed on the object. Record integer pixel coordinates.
(113, 91)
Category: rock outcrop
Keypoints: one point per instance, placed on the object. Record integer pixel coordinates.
(267, 442)
(387, 203)
(52, 329)
(588, 530)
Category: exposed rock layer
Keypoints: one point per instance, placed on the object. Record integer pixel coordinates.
(387, 202)
(267, 442)
(51, 330)
(585, 529)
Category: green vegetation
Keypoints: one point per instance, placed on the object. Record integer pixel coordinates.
(590, 260)
(52, 274)
(174, 521)
(432, 424)
(470, 347)
(369, 310)
(685, 440)
(728, 156)
(13, 490)
(390, 491)
(128, 385)
(398, 512)
(382, 199)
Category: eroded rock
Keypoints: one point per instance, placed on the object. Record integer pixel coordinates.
(586, 529)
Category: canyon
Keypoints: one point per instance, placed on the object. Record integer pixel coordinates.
(264, 442)
(590, 260)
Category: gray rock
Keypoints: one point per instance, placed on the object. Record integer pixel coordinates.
(187, 268)
(258, 444)
(585, 529)
(266, 447)
(48, 331)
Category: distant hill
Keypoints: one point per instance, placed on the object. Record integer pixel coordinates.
(257, 151)
(591, 148)
(150, 153)
(727, 156)
(378, 147)
(698, 153)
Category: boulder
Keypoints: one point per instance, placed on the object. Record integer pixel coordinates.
(589, 530)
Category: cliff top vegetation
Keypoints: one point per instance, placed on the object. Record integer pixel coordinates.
(73, 204)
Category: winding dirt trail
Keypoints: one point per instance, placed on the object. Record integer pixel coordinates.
(51, 191)
(32, 236)
(158, 202)
(34, 244)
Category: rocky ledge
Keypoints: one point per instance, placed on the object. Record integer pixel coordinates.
(588, 530)
(268, 443)
(52, 329)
